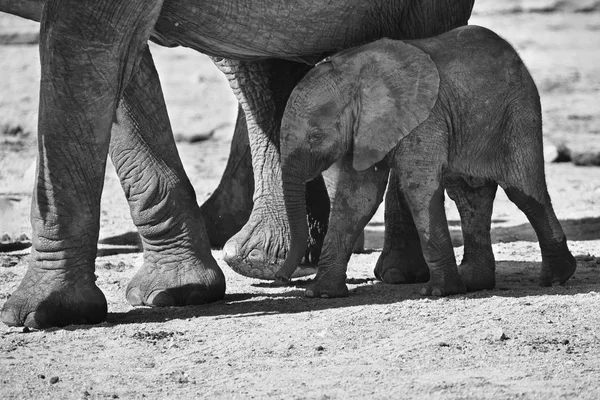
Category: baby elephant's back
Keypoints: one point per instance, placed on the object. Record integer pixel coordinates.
(486, 93)
(475, 58)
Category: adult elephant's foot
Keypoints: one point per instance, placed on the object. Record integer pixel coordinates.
(402, 266)
(444, 282)
(165, 281)
(47, 298)
(478, 273)
(259, 249)
(327, 288)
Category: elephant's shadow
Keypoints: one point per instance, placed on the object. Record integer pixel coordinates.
(575, 229)
(126, 243)
(513, 279)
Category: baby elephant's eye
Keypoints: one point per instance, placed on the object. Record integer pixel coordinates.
(315, 136)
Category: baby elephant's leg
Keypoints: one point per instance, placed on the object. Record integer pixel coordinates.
(358, 195)
(475, 204)
(558, 264)
(524, 182)
(401, 260)
(425, 196)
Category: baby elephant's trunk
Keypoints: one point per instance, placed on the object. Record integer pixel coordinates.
(294, 192)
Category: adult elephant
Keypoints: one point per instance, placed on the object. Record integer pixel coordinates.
(98, 76)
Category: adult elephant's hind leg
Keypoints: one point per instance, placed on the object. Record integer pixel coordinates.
(259, 249)
(88, 48)
(178, 268)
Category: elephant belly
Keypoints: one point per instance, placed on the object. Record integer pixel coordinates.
(251, 29)
(449, 178)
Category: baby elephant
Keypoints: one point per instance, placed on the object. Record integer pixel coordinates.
(458, 112)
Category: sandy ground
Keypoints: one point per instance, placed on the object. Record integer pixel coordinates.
(516, 341)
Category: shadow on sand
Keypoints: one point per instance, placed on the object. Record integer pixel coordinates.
(575, 229)
(513, 279)
(126, 243)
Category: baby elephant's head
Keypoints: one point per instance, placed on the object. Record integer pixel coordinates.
(360, 102)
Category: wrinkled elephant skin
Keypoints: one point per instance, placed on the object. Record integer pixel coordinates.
(100, 94)
(386, 105)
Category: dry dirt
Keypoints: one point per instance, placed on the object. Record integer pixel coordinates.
(516, 341)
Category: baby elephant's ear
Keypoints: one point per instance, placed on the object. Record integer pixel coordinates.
(397, 88)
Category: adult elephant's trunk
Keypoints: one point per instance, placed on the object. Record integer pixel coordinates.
(294, 193)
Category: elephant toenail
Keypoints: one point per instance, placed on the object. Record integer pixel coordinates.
(36, 320)
(134, 298)
(10, 318)
(309, 293)
(436, 292)
(325, 296)
(230, 250)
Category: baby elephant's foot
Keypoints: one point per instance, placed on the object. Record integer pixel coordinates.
(47, 298)
(327, 288)
(397, 266)
(182, 283)
(478, 274)
(444, 284)
(558, 265)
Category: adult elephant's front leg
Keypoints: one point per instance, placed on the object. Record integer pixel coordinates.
(259, 249)
(178, 268)
(88, 52)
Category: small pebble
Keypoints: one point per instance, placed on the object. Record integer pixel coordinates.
(320, 348)
(54, 380)
(565, 341)
(42, 376)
